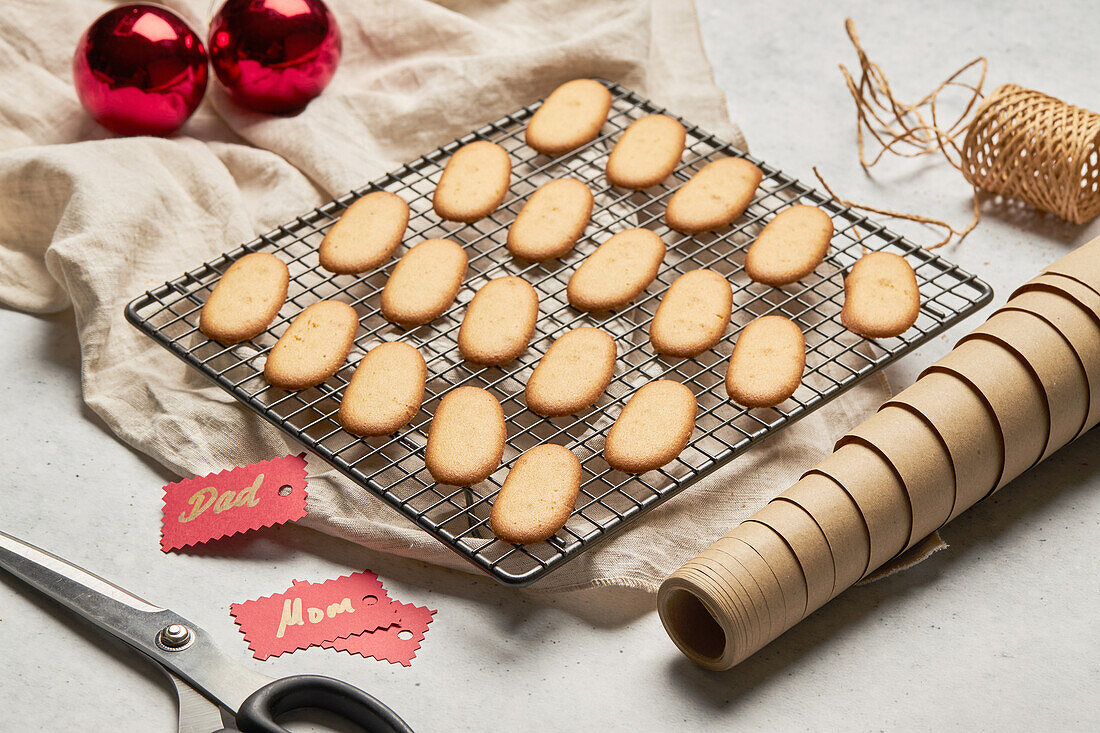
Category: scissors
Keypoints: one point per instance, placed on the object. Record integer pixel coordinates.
(207, 681)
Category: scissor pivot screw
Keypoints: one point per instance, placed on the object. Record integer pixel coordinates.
(174, 637)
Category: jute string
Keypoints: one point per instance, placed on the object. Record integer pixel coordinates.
(1019, 143)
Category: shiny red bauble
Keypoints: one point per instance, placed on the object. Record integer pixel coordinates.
(139, 70)
(274, 55)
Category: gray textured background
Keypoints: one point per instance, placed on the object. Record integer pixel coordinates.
(997, 632)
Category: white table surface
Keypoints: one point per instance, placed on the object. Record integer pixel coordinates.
(997, 632)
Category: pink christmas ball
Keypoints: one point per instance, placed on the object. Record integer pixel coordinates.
(274, 55)
(140, 70)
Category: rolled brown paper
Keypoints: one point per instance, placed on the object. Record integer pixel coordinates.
(843, 526)
(1014, 394)
(1053, 362)
(966, 426)
(919, 458)
(1080, 330)
(774, 550)
(806, 540)
(992, 405)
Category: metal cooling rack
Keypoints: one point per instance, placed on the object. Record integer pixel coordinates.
(392, 468)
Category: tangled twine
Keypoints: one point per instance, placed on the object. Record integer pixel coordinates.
(1020, 143)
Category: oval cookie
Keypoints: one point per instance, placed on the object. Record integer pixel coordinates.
(385, 392)
(499, 321)
(619, 269)
(424, 283)
(570, 117)
(646, 153)
(551, 221)
(653, 428)
(693, 314)
(767, 362)
(715, 196)
(573, 373)
(246, 299)
(474, 182)
(791, 246)
(314, 347)
(537, 496)
(466, 437)
(365, 235)
(881, 297)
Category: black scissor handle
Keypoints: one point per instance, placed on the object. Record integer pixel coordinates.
(259, 710)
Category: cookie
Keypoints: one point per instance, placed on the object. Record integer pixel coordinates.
(424, 283)
(791, 246)
(693, 314)
(499, 321)
(570, 117)
(573, 373)
(365, 235)
(474, 182)
(466, 437)
(715, 196)
(767, 362)
(246, 299)
(646, 153)
(385, 392)
(653, 428)
(619, 269)
(551, 221)
(881, 297)
(314, 347)
(537, 496)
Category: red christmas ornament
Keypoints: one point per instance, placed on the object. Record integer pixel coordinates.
(274, 55)
(140, 70)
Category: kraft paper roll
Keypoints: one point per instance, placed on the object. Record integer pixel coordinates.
(921, 461)
(1080, 330)
(1014, 394)
(806, 540)
(966, 426)
(1005, 397)
(1053, 362)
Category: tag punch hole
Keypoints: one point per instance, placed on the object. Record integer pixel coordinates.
(370, 600)
(404, 634)
(285, 490)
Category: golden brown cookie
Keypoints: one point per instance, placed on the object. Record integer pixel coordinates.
(653, 428)
(365, 235)
(424, 283)
(474, 182)
(573, 373)
(881, 297)
(693, 314)
(767, 362)
(551, 221)
(715, 196)
(385, 392)
(537, 496)
(466, 437)
(619, 269)
(570, 117)
(499, 321)
(791, 246)
(246, 299)
(314, 347)
(647, 152)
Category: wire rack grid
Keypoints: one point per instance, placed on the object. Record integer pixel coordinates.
(392, 468)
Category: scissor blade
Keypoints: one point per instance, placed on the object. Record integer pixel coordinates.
(82, 591)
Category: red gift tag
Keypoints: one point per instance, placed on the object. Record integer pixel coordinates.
(237, 500)
(307, 614)
(396, 644)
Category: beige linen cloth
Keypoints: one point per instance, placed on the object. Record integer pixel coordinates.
(89, 221)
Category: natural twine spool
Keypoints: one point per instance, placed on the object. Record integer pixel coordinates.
(1031, 146)
(1020, 143)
